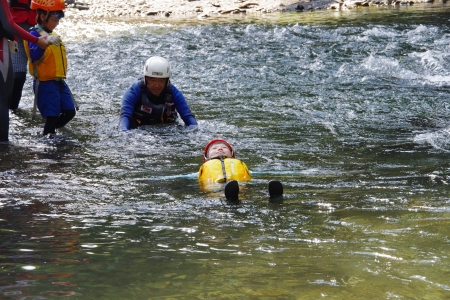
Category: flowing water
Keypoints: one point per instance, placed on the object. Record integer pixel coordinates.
(350, 110)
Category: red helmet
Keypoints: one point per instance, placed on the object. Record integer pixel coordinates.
(205, 152)
(48, 5)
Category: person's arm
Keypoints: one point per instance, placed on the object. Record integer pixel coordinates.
(11, 27)
(36, 52)
(183, 108)
(129, 100)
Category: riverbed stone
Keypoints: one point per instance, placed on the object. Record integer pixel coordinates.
(205, 8)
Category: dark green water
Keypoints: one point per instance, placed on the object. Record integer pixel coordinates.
(350, 110)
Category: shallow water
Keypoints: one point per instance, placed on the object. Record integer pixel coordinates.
(348, 109)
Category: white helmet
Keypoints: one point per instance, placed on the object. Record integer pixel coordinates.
(157, 66)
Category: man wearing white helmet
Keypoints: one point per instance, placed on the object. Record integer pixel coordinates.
(153, 99)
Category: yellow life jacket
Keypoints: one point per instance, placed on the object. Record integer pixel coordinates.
(53, 63)
(218, 171)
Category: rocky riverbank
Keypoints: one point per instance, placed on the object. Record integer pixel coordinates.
(207, 8)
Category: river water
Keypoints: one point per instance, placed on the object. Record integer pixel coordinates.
(349, 110)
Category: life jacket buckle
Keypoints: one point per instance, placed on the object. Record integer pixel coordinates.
(168, 109)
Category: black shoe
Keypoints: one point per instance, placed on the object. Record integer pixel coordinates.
(275, 189)
(232, 190)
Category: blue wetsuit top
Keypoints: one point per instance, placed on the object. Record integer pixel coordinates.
(133, 95)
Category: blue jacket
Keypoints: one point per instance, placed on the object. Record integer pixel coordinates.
(35, 52)
(133, 95)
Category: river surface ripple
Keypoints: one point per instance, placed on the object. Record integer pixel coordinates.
(350, 110)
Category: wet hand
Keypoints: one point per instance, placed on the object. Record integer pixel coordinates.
(54, 39)
(190, 128)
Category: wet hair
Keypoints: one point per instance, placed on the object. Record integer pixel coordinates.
(39, 12)
(56, 14)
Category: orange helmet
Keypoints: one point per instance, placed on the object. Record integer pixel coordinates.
(205, 152)
(48, 5)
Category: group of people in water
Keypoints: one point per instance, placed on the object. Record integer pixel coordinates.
(42, 52)
(152, 99)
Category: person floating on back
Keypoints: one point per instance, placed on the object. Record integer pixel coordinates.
(49, 68)
(220, 166)
(153, 99)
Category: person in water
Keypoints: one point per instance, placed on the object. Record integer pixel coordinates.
(9, 30)
(49, 68)
(154, 99)
(25, 17)
(220, 165)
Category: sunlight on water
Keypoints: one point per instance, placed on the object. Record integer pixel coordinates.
(88, 30)
(348, 109)
(439, 140)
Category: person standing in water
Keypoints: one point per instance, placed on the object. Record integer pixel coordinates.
(220, 165)
(49, 68)
(8, 31)
(25, 17)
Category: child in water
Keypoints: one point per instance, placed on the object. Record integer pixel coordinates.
(220, 165)
(49, 68)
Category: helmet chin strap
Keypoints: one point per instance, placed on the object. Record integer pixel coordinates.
(221, 157)
(47, 16)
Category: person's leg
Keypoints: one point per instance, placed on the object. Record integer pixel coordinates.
(65, 117)
(67, 106)
(4, 116)
(6, 82)
(49, 104)
(20, 68)
(19, 81)
(275, 188)
(50, 125)
(232, 190)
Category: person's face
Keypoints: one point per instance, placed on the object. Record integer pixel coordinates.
(51, 23)
(218, 149)
(156, 85)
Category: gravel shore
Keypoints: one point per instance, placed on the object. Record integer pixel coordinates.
(208, 8)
